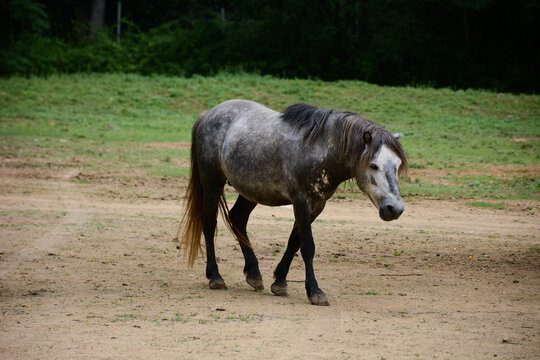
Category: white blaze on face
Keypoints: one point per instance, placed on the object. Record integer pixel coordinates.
(380, 178)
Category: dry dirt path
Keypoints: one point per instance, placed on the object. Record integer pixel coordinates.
(87, 270)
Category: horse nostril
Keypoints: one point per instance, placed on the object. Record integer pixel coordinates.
(389, 212)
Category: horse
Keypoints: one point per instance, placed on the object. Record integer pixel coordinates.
(299, 156)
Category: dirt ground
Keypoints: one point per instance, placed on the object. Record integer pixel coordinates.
(88, 270)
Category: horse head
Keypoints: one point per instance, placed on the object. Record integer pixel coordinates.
(377, 175)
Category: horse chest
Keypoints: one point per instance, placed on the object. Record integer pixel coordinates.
(319, 186)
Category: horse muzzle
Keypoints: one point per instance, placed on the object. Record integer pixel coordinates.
(389, 211)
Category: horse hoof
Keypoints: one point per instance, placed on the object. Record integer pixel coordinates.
(257, 284)
(217, 284)
(279, 290)
(319, 299)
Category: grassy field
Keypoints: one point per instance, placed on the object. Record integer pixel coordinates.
(473, 144)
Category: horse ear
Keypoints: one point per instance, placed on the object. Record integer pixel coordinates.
(367, 138)
(397, 135)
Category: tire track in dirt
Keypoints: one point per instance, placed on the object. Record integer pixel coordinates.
(55, 236)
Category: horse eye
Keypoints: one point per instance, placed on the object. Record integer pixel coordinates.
(374, 167)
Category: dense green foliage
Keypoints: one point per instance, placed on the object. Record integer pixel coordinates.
(450, 43)
(110, 121)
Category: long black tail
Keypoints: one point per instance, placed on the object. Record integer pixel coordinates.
(191, 226)
(191, 222)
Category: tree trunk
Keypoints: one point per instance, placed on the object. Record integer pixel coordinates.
(97, 16)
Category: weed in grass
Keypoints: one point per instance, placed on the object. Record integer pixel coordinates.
(244, 317)
(125, 316)
(155, 250)
(369, 292)
(535, 250)
(178, 317)
(164, 284)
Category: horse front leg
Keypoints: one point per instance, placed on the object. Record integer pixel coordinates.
(279, 287)
(302, 238)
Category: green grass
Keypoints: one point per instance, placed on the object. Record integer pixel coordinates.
(105, 122)
(483, 204)
(479, 186)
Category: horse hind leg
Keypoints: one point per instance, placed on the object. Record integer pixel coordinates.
(239, 216)
(211, 195)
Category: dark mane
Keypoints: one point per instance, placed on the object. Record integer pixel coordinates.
(349, 129)
(307, 118)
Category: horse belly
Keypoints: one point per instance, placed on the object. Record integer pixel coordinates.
(260, 184)
(257, 174)
(260, 193)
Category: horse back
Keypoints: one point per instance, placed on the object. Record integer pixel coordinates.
(244, 142)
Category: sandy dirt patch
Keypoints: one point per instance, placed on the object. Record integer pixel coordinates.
(88, 270)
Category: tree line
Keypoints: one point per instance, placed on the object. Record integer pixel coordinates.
(442, 43)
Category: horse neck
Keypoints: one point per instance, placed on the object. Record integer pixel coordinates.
(341, 168)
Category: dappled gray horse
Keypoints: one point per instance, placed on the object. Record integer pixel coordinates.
(297, 157)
